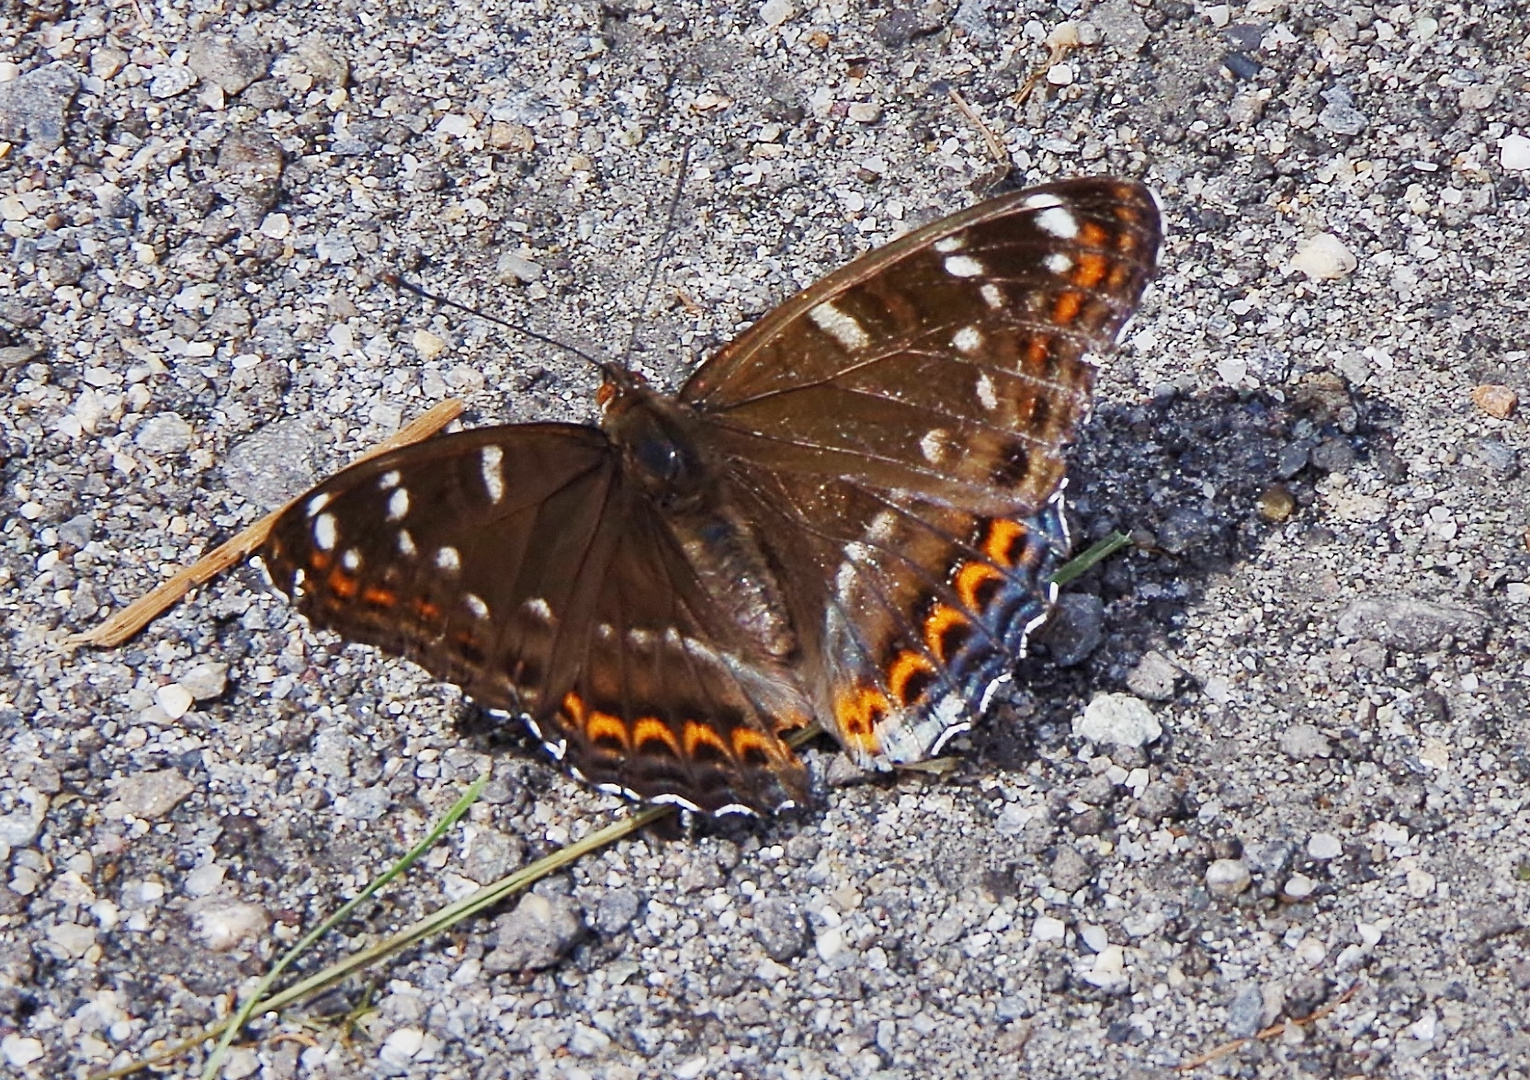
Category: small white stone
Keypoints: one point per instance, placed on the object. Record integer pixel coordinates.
(174, 699)
(1514, 153)
(1420, 883)
(223, 926)
(204, 880)
(830, 942)
(1227, 877)
(1220, 15)
(276, 226)
(1323, 257)
(1060, 74)
(776, 12)
(1423, 1029)
(402, 1044)
(864, 112)
(1047, 928)
(1118, 719)
(1324, 846)
(1095, 937)
(1299, 887)
(428, 345)
(20, 1052)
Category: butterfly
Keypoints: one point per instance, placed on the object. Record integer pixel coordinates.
(848, 514)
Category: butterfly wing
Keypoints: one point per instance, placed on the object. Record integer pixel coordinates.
(903, 424)
(517, 563)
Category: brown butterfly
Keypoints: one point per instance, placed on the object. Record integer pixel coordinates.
(849, 514)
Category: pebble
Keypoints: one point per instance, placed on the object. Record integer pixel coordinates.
(1276, 503)
(1324, 846)
(164, 435)
(1227, 877)
(537, 934)
(1514, 153)
(274, 464)
(1410, 625)
(20, 1051)
(204, 681)
(1069, 871)
(148, 796)
(1323, 257)
(779, 928)
(587, 1041)
(227, 63)
(402, 1044)
(1304, 742)
(225, 925)
(1048, 928)
(1298, 887)
(776, 12)
(1245, 1011)
(1154, 677)
(1075, 630)
(174, 700)
(33, 105)
(1117, 719)
(1339, 115)
(1495, 399)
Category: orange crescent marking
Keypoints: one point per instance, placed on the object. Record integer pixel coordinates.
(971, 577)
(855, 714)
(342, 585)
(1038, 351)
(573, 706)
(1000, 541)
(746, 740)
(907, 665)
(1067, 308)
(696, 734)
(321, 561)
(935, 626)
(651, 729)
(601, 725)
(426, 610)
(1091, 270)
(1093, 234)
(379, 596)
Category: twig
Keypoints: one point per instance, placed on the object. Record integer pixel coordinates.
(138, 614)
(1268, 1033)
(995, 146)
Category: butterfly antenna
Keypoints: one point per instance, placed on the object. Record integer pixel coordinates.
(408, 286)
(669, 234)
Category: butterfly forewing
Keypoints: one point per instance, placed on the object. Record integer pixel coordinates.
(910, 414)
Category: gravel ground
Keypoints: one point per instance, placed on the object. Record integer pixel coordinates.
(1324, 637)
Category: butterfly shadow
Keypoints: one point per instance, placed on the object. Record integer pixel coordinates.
(1201, 481)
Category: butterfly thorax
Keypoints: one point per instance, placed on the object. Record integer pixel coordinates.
(663, 456)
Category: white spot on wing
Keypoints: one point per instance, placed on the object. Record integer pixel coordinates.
(986, 393)
(493, 476)
(947, 244)
(933, 446)
(963, 266)
(319, 502)
(398, 504)
(406, 544)
(881, 528)
(389, 480)
(324, 532)
(1043, 201)
(968, 340)
(351, 559)
(476, 605)
(843, 328)
(1059, 222)
(1059, 263)
(993, 296)
(538, 609)
(449, 559)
